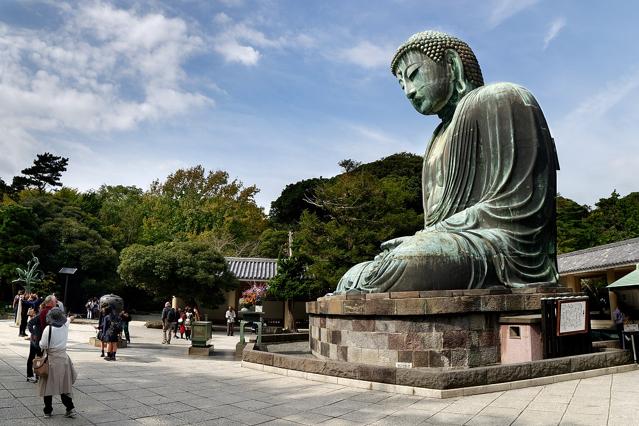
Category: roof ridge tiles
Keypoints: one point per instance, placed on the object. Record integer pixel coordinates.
(629, 241)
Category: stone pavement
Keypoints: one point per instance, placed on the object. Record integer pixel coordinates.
(155, 384)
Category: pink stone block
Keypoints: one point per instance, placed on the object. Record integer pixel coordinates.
(520, 343)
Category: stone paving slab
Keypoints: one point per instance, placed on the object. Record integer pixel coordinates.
(155, 384)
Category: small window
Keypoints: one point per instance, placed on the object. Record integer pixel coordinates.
(514, 332)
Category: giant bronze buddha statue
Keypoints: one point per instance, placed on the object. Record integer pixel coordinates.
(488, 181)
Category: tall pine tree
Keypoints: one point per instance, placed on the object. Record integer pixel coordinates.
(46, 170)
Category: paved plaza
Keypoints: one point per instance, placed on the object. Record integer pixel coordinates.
(155, 384)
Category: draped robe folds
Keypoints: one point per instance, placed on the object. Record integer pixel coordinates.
(489, 187)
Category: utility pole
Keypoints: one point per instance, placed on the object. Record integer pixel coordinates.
(290, 243)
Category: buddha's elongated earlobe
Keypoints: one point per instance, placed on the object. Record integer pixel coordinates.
(460, 86)
(457, 70)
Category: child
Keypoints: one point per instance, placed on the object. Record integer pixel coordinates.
(182, 325)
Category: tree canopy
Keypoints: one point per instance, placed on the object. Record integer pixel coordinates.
(190, 270)
(46, 170)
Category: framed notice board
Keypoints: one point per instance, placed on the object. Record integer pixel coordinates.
(572, 317)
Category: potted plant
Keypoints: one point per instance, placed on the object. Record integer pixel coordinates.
(253, 297)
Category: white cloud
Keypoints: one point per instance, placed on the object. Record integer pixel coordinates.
(501, 10)
(241, 42)
(370, 134)
(553, 31)
(367, 55)
(596, 143)
(222, 18)
(233, 51)
(104, 69)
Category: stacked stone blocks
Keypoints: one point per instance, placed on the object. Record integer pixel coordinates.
(455, 328)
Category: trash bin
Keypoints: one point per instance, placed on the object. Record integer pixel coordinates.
(200, 333)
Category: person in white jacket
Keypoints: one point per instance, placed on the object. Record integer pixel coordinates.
(62, 374)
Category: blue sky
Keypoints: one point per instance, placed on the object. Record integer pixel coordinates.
(277, 91)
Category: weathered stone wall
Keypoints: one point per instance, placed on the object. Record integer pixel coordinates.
(430, 341)
(456, 328)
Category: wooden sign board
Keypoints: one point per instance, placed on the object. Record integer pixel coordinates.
(572, 317)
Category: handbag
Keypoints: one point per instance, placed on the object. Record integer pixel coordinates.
(41, 364)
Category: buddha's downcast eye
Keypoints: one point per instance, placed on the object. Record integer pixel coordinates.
(411, 70)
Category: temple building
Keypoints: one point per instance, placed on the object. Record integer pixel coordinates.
(611, 262)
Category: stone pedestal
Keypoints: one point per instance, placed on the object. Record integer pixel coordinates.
(451, 328)
(93, 341)
(201, 351)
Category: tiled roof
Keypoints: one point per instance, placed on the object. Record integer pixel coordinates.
(621, 253)
(252, 268)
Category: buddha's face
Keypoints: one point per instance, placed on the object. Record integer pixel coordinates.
(427, 84)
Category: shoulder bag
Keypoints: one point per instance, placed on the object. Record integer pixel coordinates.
(41, 364)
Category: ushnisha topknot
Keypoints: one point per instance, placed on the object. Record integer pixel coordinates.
(433, 44)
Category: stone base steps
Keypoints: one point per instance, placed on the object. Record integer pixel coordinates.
(440, 393)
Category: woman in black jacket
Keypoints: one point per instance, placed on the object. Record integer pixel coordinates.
(112, 329)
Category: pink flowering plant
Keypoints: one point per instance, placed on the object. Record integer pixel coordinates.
(254, 295)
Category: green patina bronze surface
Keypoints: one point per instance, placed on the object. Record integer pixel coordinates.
(488, 181)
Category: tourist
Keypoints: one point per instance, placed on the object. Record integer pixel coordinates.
(58, 302)
(96, 307)
(181, 327)
(34, 347)
(168, 323)
(188, 319)
(29, 301)
(49, 303)
(100, 328)
(230, 321)
(62, 374)
(89, 308)
(618, 317)
(176, 327)
(16, 305)
(111, 329)
(125, 317)
(196, 314)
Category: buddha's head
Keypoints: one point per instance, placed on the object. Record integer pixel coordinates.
(435, 70)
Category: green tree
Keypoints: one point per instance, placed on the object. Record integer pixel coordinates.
(349, 165)
(19, 236)
(68, 236)
(191, 270)
(4, 189)
(291, 283)
(615, 218)
(362, 212)
(191, 202)
(273, 243)
(572, 228)
(46, 170)
(121, 214)
(289, 206)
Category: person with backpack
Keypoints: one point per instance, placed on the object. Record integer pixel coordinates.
(169, 318)
(112, 329)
